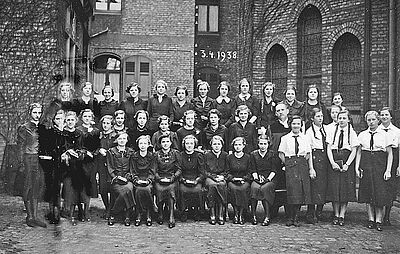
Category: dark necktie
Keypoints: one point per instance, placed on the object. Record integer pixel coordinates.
(340, 145)
(296, 145)
(386, 129)
(323, 138)
(371, 142)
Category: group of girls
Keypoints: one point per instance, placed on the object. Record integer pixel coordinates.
(211, 151)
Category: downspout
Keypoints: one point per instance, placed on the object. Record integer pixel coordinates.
(392, 54)
(367, 56)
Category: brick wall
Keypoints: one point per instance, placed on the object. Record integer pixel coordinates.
(162, 31)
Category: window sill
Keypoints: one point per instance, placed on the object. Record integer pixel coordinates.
(208, 34)
(114, 13)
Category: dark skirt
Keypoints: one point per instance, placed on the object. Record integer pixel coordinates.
(341, 185)
(394, 181)
(33, 178)
(90, 170)
(144, 197)
(374, 189)
(319, 183)
(52, 179)
(124, 197)
(264, 191)
(190, 195)
(72, 195)
(165, 192)
(216, 192)
(239, 194)
(297, 181)
(104, 175)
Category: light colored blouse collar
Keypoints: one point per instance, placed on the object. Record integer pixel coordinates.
(219, 99)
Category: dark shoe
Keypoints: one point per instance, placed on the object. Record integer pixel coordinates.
(241, 220)
(341, 221)
(265, 222)
(73, 221)
(335, 220)
(289, 223)
(236, 219)
(371, 224)
(39, 223)
(137, 222)
(160, 219)
(221, 221)
(212, 221)
(379, 226)
(254, 220)
(149, 222)
(184, 216)
(110, 221)
(171, 224)
(127, 222)
(30, 222)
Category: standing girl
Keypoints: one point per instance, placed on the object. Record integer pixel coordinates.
(119, 122)
(180, 106)
(214, 128)
(132, 104)
(295, 153)
(294, 106)
(160, 104)
(341, 150)
(86, 101)
(238, 177)
(189, 128)
(373, 167)
(245, 98)
(244, 128)
(65, 93)
(267, 111)
(202, 104)
(313, 101)
(225, 105)
(316, 136)
(108, 106)
(164, 123)
(140, 129)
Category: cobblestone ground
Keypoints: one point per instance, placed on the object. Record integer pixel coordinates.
(194, 237)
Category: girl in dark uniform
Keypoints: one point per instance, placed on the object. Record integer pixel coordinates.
(316, 136)
(215, 172)
(86, 101)
(28, 146)
(132, 104)
(180, 106)
(373, 167)
(164, 124)
(65, 93)
(167, 174)
(238, 164)
(267, 110)
(119, 122)
(341, 150)
(158, 105)
(190, 186)
(90, 143)
(108, 106)
(394, 132)
(225, 105)
(214, 128)
(140, 129)
(244, 128)
(202, 104)
(245, 98)
(144, 164)
(313, 101)
(264, 163)
(120, 167)
(107, 140)
(294, 106)
(295, 153)
(189, 128)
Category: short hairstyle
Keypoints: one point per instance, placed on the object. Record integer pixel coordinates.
(281, 104)
(203, 83)
(145, 137)
(160, 81)
(242, 81)
(311, 87)
(218, 138)
(164, 118)
(141, 111)
(336, 106)
(119, 134)
(268, 84)
(132, 84)
(237, 139)
(167, 135)
(107, 117)
(386, 109)
(184, 88)
(108, 86)
(337, 94)
(214, 111)
(119, 112)
(290, 87)
(224, 83)
(296, 117)
(33, 106)
(188, 112)
(264, 136)
(314, 111)
(86, 110)
(66, 84)
(371, 113)
(71, 113)
(87, 83)
(196, 141)
(242, 108)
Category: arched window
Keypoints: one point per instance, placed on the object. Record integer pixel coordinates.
(346, 69)
(276, 69)
(211, 75)
(137, 69)
(107, 71)
(309, 51)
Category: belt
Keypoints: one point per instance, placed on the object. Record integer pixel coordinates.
(295, 156)
(321, 150)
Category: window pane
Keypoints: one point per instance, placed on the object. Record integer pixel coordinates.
(213, 19)
(101, 5)
(115, 5)
(202, 20)
(130, 66)
(145, 67)
(113, 64)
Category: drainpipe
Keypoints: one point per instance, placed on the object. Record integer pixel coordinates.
(392, 54)
(367, 56)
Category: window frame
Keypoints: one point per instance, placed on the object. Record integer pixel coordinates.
(108, 11)
(208, 4)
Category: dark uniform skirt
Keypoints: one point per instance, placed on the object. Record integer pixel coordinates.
(164, 192)
(104, 175)
(73, 195)
(319, 184)
(90, 169)
(239, 194)
(374, 189)
(144, 197)
(33, 178)
(124, 197)
(264, 191)
(394, 181)
(341, 185)
(52, 179)
(191, 195)
(297, 181)
(215, 191)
